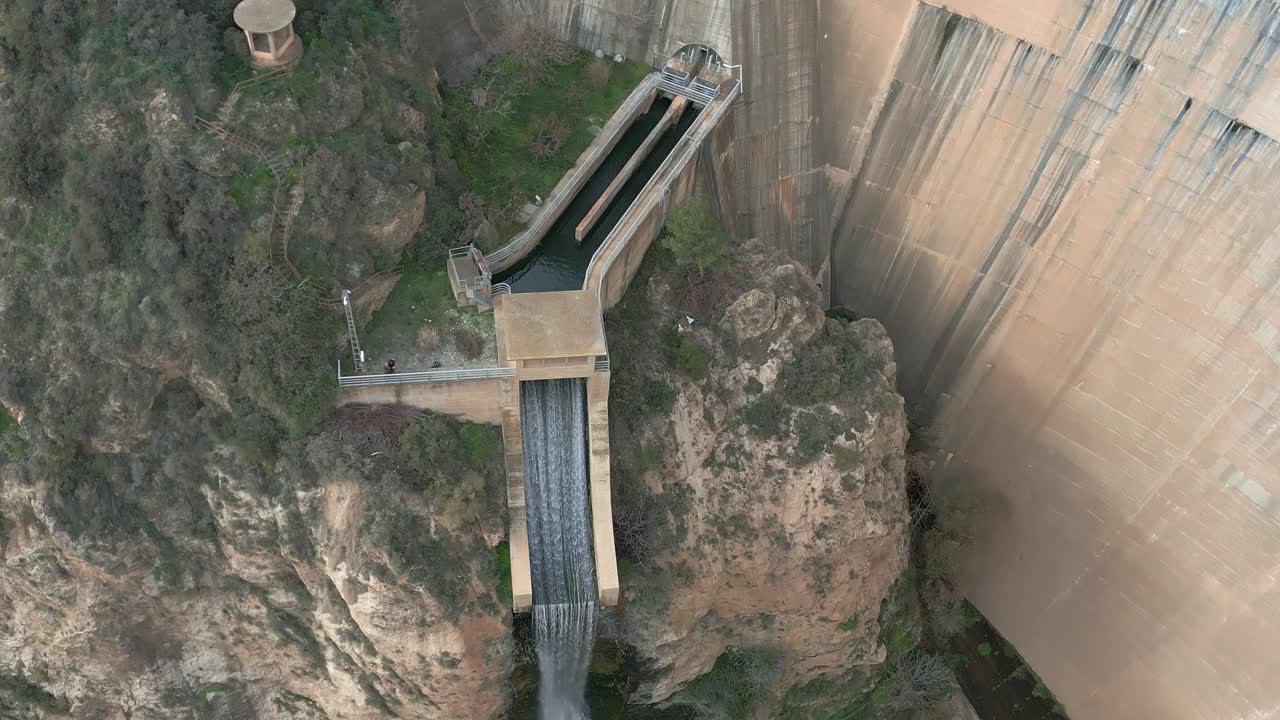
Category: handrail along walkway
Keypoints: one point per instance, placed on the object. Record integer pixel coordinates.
(425, 376)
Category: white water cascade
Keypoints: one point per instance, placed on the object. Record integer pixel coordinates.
(553, 431)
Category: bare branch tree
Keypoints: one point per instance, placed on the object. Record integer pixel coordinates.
(533, 47)
(918, 679)
(550, 132)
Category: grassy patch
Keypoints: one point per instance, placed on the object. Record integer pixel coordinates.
(505, 161)
(481, 441)
(502, 562)
(422, 297)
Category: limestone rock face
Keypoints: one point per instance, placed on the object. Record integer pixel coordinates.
(793, 534)
(283, 605)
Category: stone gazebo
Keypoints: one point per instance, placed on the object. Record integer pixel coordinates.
(268, 26)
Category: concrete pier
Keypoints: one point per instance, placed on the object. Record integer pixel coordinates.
(593, 216)
(601, 500)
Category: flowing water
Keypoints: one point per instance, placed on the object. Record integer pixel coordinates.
(559, 262)
(561, 562)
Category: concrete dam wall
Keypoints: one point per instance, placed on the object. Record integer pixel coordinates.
(1066, 212)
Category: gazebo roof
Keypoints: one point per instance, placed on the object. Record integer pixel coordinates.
(264, 16)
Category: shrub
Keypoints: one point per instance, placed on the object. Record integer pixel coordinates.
(470, 343)
(599, 73)
(887, 403)
(695, 238)
(917, 680)
(450, 457)
(12, 446)
(847, 458)
(686, 354)
(948, 617)
(549, 134)
(502, 566)
(658, 396)
(767, 415)
(737, 681)
(984, 649)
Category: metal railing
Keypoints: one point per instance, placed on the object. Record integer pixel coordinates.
(662, 175)
(425, 376)
(675, 76)
(533, 234)
(501, 289)
(471, 285)
(697, 91)
(602, 363)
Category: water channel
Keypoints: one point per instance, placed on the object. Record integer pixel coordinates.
(560, 262)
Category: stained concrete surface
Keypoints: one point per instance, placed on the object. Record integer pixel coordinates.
(550, 325)
(1065, 212)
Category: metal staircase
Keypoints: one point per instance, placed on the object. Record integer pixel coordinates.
(357, 355)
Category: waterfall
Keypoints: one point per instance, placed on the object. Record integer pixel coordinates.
(553, 431)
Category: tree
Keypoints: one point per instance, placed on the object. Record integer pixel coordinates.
(917, 680)
(695, 237)
(550, 132)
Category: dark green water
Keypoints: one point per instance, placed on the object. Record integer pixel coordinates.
(560, 262)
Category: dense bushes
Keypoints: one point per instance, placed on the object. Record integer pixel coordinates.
(738, 680)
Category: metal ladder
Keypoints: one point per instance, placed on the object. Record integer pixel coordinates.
(356, 353)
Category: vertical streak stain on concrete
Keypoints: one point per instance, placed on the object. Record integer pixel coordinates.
(1091, 105)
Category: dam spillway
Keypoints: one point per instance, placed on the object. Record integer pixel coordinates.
(554, 438)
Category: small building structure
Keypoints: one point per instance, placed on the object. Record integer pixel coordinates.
(268, 28)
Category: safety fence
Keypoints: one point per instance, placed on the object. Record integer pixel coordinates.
(425, 376)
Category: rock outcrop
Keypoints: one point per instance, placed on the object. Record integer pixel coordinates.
(783, 482)
(331, 586)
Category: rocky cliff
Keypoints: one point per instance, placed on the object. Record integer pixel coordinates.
(776, 467)
(336, 581)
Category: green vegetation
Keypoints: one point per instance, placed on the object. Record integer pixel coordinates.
(847, 458)
(502, 565)
(686, 353)
(738, 680)
(19, 693)
(696, 239)
(887, 402)
(984, 649)
(441, 451)
(420, 320)
(481, 442)
(495, 121)
(12, 447)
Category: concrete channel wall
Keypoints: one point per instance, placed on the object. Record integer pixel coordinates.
(620, 255)
(636, 104)
(473, 400)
